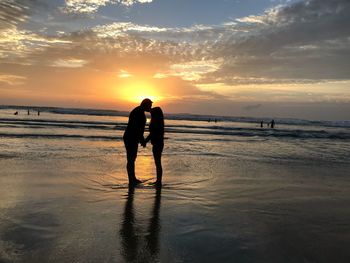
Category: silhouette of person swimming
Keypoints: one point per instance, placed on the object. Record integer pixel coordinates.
(273, 124)
(133, 135)
(156, 136)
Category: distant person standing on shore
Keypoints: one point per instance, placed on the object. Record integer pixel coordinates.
(156, 136)
(133, 135)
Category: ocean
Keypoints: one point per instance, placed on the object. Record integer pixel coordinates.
(232, 191)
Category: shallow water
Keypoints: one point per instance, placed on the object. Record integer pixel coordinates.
(225, 198)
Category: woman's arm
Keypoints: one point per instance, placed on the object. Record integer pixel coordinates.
(148, 138)
(149, 135)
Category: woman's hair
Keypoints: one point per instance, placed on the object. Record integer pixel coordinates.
(157, 116)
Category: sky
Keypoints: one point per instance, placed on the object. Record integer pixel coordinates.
(259, 58)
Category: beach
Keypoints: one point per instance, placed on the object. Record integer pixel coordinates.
(232, 192)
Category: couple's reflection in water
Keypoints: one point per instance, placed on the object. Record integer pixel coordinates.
(137, 245)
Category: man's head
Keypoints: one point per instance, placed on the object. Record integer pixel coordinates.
(146, 105)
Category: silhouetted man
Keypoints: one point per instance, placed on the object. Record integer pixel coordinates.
(133, 135)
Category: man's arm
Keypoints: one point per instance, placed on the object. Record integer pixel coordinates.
(141, 127)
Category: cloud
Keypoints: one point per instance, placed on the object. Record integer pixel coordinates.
(16, 12)
(252, 107)
(305, 40)
(302, 43)
(69, 63)
(296, 43)
(122, 29)
(193, 70)
(18, 43)
(132, 2)
(91, 6)
(84, 6)
(124, 74)
(12, 79)
(12, 13)
(327, 91)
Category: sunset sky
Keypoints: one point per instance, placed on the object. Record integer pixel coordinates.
(278, 58)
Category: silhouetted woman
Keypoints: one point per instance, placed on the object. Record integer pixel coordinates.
(156, 135)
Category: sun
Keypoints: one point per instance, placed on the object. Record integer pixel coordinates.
(136, 91)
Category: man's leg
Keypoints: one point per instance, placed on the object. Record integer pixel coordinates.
(131, 154)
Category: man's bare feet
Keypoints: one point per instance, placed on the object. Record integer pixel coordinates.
(135, 182)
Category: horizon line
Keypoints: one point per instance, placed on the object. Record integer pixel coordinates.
(169, 114)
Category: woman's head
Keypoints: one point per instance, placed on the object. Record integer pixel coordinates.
(157, 113)
(156, 125)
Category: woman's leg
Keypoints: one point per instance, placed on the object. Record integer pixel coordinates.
(157, 154)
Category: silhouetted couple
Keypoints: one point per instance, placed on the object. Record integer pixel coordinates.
(133, 136)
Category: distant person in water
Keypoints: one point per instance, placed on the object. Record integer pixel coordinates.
(262, 124)
(156, 136)
(272, 124)
(133, 135)
(16, 113)
(28, 113)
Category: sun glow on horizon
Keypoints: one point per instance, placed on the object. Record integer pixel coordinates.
(136, 91)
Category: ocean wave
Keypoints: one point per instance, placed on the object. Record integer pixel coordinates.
(60, 136)
(45, 125)
(240, 133)
(172, 128)
(184, 116)
(42, 123)
(269, 133)
(30, 120)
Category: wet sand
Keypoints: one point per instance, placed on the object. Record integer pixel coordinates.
(69, 202)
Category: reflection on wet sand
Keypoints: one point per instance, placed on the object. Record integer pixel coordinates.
(135, 246)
